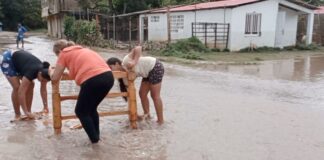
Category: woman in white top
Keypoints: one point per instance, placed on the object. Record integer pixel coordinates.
(151, 70)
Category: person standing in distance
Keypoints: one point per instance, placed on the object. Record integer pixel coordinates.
(21, 34)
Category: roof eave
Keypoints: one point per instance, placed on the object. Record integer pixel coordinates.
(306, 5)
(220, 7)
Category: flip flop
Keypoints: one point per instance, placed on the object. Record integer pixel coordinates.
(43, 112)
(25, 118)
(78, 126)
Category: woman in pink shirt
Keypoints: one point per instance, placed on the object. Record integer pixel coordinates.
(94, 77)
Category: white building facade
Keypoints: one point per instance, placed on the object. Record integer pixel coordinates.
(252, 23)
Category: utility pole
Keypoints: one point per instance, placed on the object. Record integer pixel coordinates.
(169, 24)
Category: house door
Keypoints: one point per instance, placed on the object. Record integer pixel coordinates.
(280, 29)
(144, 29)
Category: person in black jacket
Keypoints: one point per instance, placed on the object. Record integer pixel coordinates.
(21, 68)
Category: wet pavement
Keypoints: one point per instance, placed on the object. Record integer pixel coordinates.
(270, 111)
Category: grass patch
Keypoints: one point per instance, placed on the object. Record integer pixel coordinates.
(41, 30)
(194, 49)
(190, 48)
(265, 49)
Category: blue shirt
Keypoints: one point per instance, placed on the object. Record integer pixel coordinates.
(21, 31)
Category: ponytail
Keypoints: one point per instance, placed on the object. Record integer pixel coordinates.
(44, 71)
(122, 87)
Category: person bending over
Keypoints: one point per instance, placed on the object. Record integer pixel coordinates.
(21, 68)
(92, 74)
(151, 70)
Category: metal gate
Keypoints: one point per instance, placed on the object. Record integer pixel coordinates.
(214, 35)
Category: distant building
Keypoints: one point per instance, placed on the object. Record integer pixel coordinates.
(232, 24)
(54, 12)
(319, 26)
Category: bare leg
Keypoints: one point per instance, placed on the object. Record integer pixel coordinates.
(22, 95)
(17, 41)
(22, 42)
(15, 82)
(29, 96)
(155, 94)
(144, 89)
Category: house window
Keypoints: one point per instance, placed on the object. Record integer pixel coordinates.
(253, 24)
(155, 18)
(177, 23)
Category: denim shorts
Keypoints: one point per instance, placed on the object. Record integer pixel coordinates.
(155, 76)
(20, 37)
(7, 66)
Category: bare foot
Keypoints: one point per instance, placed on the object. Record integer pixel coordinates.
(160, 122)
(78, 126)
(23, 118)
(144, 117)
(28, 116)
(17, 118)
(43, 112)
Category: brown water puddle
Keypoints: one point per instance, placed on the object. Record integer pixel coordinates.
(305, 68)
(267, 111)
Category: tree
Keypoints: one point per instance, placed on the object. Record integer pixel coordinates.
(1, 14)
(27, 12)
(91, 4)
(31, 11)
(315, 2)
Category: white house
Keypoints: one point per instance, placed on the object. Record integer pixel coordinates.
(232, 24)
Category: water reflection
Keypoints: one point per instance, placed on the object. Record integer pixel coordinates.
(308, 68)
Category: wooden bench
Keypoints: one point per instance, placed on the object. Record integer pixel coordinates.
(130, 94)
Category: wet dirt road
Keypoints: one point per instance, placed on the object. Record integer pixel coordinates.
(271, 111)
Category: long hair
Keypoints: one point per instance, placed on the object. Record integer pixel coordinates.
(122, 86)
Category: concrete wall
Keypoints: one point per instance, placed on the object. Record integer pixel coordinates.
(55, 26)
(318, 34)
(157, 31)
(239, 40)
(52, 11)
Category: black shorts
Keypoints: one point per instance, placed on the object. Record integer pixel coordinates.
(156, 74)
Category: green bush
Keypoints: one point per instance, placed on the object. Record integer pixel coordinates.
(215, 50)
(306, 47)
(185, 48)
(83, 32)
(276, 49)
(226, 50)
(289, 48)
(68, 27)
(260, 49)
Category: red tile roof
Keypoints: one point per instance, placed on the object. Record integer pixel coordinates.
(320, 10)
(222, 4)
(210, 5)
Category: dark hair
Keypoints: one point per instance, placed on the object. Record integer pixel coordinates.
(44, 71)
(113, 61)
(122, 86)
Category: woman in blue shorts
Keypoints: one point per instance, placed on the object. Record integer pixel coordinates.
(21, 68)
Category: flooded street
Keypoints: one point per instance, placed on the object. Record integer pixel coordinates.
(270, 111)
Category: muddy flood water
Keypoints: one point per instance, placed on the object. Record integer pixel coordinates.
(270, 111)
